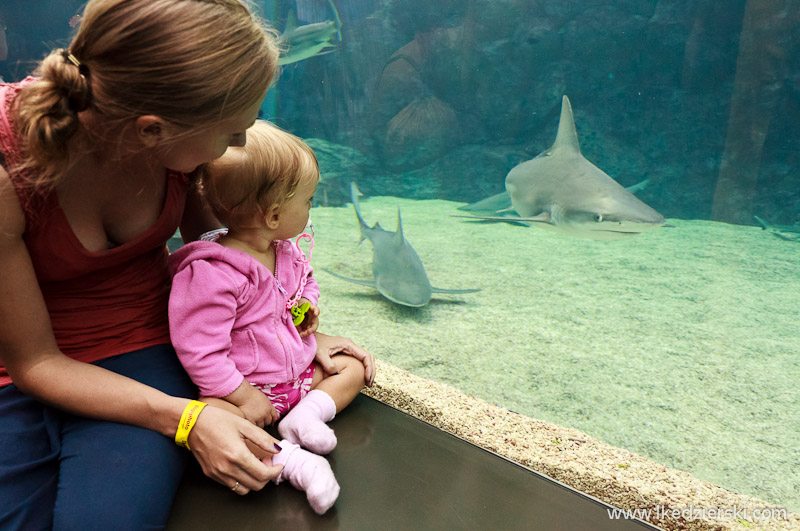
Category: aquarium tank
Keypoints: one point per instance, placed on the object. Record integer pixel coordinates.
(603, 198)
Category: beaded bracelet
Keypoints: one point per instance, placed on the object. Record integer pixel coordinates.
(188, 418)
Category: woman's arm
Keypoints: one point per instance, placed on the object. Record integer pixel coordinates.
(29, 352)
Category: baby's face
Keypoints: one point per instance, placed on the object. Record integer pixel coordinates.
(294, 213)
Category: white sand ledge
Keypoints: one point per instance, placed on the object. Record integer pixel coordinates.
(614, 475)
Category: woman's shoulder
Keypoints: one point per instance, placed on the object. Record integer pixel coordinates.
(12, 217)
(8, 95)
(24, 193)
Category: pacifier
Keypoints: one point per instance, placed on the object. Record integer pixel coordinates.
(299, 312)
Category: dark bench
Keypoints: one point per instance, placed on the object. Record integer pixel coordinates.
(398, 473)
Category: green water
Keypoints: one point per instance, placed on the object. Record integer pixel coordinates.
(681, 344)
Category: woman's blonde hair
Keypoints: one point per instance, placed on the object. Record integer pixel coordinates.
(191, 62)
(246, 181)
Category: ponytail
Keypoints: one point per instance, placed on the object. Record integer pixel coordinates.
(47, 115)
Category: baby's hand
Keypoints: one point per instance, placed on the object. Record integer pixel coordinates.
(259, 410)
(310, 321)
(254, 404)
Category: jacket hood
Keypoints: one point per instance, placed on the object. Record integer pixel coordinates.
(202, 250)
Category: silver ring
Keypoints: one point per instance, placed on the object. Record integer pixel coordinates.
(235, 487)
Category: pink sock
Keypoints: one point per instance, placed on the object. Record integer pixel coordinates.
(305, 423)
(308, 472)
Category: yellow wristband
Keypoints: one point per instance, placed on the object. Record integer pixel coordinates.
(186, 424)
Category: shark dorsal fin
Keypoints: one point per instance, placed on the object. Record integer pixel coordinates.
(567, 136)
(399, 233)
(291, 22)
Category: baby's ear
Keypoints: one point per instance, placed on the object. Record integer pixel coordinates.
(151, 129)
(272, 218)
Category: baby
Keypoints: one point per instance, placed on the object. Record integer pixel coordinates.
(243, 309)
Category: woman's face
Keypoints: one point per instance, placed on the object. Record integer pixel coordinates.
(188, 153)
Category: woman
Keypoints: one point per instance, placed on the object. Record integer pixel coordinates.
(98, 155)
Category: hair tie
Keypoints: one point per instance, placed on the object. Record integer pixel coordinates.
(78, 101)
(71, 58)
(83, 69)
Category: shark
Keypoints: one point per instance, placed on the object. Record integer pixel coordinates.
(397, 269)
(308, 40)
(561, 191)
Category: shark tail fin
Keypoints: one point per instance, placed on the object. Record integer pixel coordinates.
(354, 193)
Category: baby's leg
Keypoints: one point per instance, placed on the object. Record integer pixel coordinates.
(310, 473)
(305, 423)
(344, 386)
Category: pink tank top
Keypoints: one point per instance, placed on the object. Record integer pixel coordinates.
(100, 304)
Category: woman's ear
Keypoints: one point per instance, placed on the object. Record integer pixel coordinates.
(151, 130)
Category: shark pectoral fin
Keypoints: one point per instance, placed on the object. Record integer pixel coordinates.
(638, 187)
(353, 280)
(454, 291)
(507, 219)
(496, 203)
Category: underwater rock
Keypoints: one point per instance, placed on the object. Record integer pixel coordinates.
(421, 132)
(337, 165)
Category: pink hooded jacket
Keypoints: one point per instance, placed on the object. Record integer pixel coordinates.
(228, 318)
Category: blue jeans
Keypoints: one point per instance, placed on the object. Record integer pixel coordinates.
(59, 471)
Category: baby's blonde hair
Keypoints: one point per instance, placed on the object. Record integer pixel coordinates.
(246, 181)
(191, 62)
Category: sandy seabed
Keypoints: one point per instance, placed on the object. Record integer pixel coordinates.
(672, 358)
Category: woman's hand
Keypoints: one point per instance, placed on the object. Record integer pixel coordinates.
(327, 346)
(218, 442)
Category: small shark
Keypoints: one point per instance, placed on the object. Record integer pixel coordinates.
(561, 191)
(398, 272)
(302, 42)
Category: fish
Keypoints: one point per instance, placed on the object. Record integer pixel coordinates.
(398, 273)
(789, 233)
(308, 40)
(561, 191)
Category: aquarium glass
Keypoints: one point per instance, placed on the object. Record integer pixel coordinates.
(675, 338)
